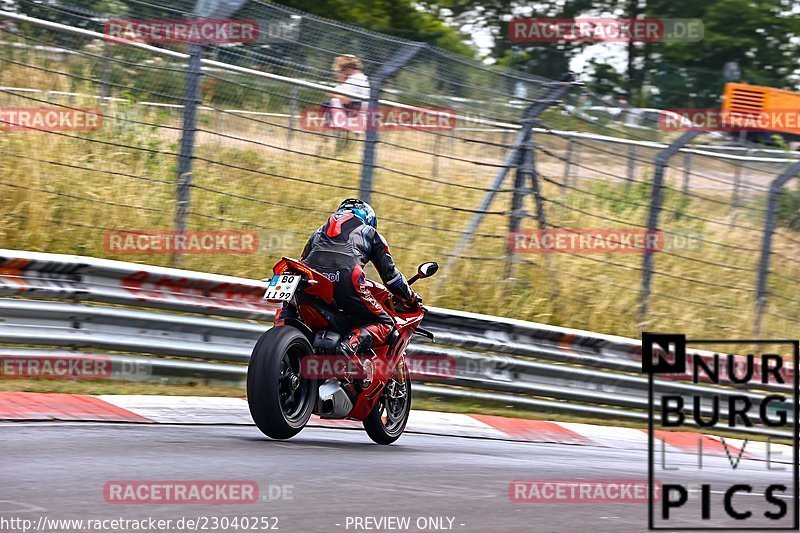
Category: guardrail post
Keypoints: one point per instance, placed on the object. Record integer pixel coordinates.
(770, 222)
(191, 99)
(387, 70)
(661, 161)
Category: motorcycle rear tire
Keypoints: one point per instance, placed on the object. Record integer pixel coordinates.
(278, 349)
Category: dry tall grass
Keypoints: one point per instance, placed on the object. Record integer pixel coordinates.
(62, 192)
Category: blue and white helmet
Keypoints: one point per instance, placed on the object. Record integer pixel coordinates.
(360, 209)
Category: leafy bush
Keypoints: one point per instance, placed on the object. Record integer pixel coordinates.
(788, 215)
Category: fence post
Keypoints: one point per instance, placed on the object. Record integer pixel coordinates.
(576, 162)
(737, 184)
(766, 246)
(387, 70)
(512, 158)
(292, 113)
(517, 205)
(518, 197)
(661, 161)
(567, 164)
(631, 176)
(536, 189)
(529, 163)
(737, 180)
(191, 98)
(220, 126)
(436, 147)
(687, 170)
(743, 195)
(106, 76)
(526, 174)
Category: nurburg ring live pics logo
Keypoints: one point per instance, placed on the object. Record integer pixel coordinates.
(742, 403)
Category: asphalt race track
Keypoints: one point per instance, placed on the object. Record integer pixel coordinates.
(59, 470)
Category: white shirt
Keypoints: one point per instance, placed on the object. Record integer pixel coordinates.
(358, 84)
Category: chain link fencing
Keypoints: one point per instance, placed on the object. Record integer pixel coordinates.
(524, 154)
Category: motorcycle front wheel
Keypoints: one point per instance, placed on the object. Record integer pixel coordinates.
(280, 398)
(389, 417)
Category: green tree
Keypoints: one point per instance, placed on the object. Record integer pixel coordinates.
(761, 35)
(546, 59)
(401, 18)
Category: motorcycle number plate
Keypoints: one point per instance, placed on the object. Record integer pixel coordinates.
(282, 287)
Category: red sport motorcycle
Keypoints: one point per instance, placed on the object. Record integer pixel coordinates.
(374, 387)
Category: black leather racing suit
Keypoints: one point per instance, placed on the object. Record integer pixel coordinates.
(339, 250)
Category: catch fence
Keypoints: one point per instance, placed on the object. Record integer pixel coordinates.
(523, 154)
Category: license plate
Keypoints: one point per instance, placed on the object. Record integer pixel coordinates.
(282, 287)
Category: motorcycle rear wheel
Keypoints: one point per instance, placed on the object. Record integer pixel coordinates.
(389, 417)
(280, 399)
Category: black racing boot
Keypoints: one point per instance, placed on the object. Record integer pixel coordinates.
(356, 342)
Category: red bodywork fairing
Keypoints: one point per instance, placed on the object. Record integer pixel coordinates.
(406, 321)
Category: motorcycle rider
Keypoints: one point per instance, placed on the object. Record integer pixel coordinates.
(339, 250)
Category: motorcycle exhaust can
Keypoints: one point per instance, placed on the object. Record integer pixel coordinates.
(334, 402)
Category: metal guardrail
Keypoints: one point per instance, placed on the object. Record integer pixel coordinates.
(193, 325)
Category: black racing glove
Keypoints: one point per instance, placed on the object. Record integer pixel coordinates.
(416, 300)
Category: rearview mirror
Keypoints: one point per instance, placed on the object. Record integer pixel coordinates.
(427, 270)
